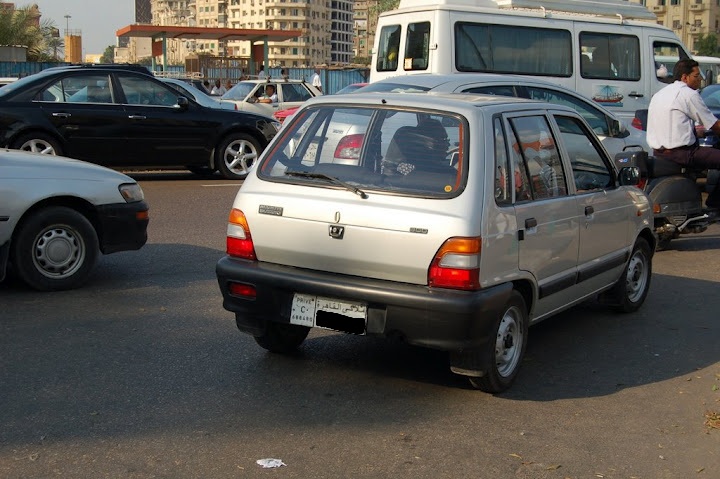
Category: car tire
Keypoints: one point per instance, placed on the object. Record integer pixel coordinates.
(204, 171)
(38, 143)
(504, 355)
(281, 337)
(236, 155)
(54, 249)
(631, 289)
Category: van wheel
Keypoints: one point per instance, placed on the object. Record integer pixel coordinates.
(54, 249)
(236, 155)
(504, 355)
(282, 337)
(631, 289)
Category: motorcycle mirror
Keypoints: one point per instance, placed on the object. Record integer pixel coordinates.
(629, 176)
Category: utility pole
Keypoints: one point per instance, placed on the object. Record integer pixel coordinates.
(67, 25)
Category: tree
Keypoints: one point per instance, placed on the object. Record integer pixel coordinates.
(384, 6)
(108, 55)
(707, 45)
(19, 27)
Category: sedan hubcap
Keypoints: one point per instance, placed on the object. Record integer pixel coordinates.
(240, 155)
(508, 343)
(58, 252)
(38, 146)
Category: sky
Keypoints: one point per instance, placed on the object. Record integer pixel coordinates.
(98, 20)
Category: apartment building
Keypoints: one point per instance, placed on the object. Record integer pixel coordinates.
(341, 32)
(365, 21)
(689, 19)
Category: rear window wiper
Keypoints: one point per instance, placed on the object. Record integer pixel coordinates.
(331, 179)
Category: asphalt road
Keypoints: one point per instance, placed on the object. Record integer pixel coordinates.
(142, 374)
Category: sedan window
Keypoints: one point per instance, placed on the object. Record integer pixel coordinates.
(590, 171)
(78, 89)
(597, 120)
(141, 91)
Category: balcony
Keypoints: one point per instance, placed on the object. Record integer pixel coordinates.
(658, 8)
(697, 7)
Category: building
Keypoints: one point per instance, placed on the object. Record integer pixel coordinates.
(177, 13)
(689, 19)
(364, 24)
(341, 32)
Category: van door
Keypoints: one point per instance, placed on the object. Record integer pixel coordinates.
(546, 214)
(610, 67)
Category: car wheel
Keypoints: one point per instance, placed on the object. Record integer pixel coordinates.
(504, 355)
(54, 249)
(200, 170)
(631, 289)
(236, 155)
(38, 143)
(282, 337)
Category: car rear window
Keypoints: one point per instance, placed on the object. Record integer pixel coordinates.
(386, 150)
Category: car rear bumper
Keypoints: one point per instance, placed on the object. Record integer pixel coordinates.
(122, 226)
(436, 318)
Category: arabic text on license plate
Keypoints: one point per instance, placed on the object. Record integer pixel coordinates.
(305, 308)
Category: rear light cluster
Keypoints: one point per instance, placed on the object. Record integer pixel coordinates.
(636, 123)
(239, 241)
(456, 265)
(349, 147)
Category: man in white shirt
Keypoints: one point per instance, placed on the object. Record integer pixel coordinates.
(316, 80)
(218, 89)
(672, 115)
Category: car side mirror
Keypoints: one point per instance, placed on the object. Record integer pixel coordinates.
(182, 103)
(629, 176)
(617, 128)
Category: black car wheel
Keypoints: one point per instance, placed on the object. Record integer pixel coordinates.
(54, 249)
(281, 337)
(38, 143)
(236, 155)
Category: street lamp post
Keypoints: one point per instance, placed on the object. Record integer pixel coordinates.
(67, 24)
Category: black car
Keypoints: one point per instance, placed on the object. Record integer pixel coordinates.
(126, 119)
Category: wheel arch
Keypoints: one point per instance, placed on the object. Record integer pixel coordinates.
(650, 237)
(528, 293)
(33, 130)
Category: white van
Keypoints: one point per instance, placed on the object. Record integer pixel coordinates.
(600, 49)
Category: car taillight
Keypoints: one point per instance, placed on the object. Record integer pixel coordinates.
(456, 265)
(239, 241)
(636, 123)
(349, 147)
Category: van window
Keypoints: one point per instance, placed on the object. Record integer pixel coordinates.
(666, 55)
(417, 46)
(609, 56)
(481, 47)
(388, 48)
(540, 156)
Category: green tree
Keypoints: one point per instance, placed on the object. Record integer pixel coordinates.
(108, 55)
(707, 45)
(17, 28)
(384, 6)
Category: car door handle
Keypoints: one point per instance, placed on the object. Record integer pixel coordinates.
(61, 115)
(635, 95)
(530, 223)
(589, 210)
(137, 117)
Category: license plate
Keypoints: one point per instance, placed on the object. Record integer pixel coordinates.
(316, 311)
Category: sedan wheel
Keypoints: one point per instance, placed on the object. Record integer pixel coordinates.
(237, 155)
(55, 249)
(37, 143)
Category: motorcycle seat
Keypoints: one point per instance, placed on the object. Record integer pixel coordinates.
(658, 166)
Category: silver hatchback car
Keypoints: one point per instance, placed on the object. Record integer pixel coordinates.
(450, 221)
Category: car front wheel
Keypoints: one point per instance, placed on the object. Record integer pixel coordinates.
(38, 143)
(54, 249)
(236, 155)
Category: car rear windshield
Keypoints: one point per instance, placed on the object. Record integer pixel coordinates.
(371, 149)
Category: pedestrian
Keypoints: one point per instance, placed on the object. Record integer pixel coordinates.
(218, 89)
(316, 80)
(228, 85)
(284, 74)
(206, 85)
(672, 115)
(261, 73)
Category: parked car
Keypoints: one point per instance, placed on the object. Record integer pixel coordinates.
(282, 115)
(245, 95)
(612, 131)
(188, 90)
(126, 119)
(58, 214)
(448, 221)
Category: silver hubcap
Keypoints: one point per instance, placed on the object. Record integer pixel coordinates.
(239, 156)
(38, 146)
(637, 277)
(508, 343)
(58, 252)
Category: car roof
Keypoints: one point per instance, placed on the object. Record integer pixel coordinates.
(273, 80)
(136, 67)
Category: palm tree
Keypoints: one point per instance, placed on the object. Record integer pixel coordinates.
(19, 27)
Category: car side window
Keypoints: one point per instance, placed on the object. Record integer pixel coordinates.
(503, 183)
(141, 91)
(591, 172)
(540, 156)
(597, 120)
(79, 89)
(294, 92)
(519, 176)
(499, 90)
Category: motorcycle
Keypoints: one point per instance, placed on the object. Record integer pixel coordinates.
(675, 195)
